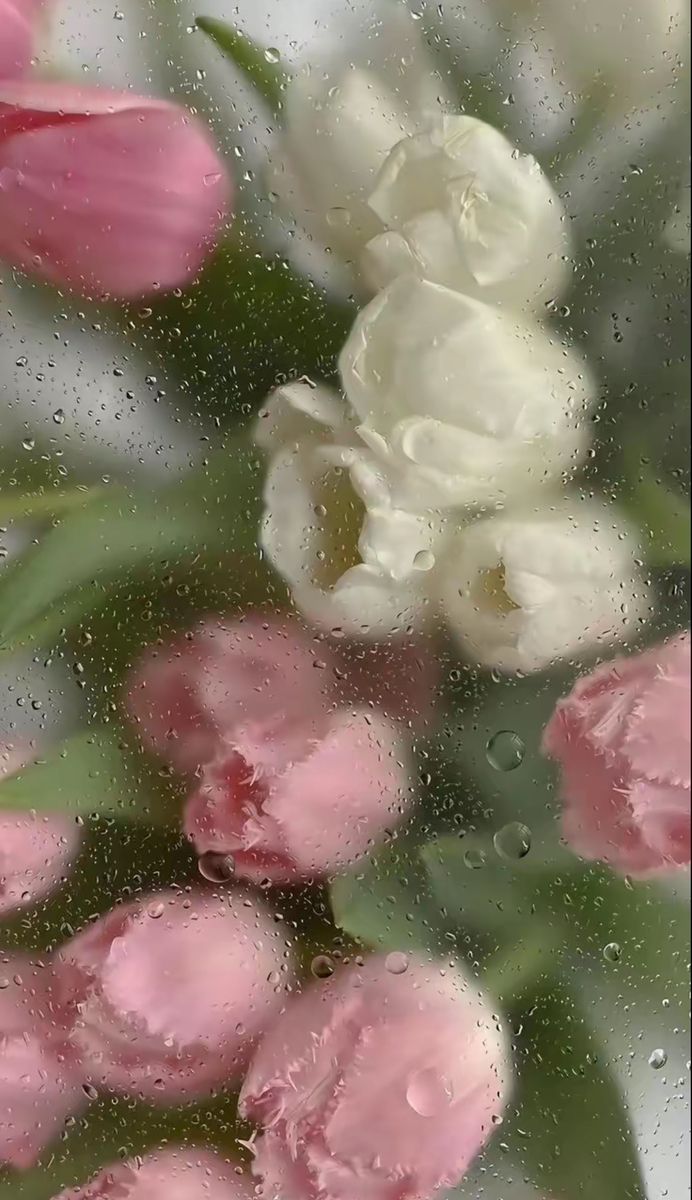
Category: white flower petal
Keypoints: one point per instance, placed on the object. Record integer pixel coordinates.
(525, 590)
(463, 403)
(469, 212)
(296, 409)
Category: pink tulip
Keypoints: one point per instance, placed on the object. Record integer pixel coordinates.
(17, 19)
(186, 699)
(165, 995)
(381, 1083)
(39, 1087)
(622, 738)
(185, 1173)
(289, 801)
(35, 849)
(105, 192)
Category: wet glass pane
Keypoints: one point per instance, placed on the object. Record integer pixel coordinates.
(344, 600)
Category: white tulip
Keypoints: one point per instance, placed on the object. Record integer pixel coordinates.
(463, 403)
(524, 590)
(339, 126)
(462, 207)
(353, 560)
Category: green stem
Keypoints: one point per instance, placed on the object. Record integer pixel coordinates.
(268, 79)
(514, 972)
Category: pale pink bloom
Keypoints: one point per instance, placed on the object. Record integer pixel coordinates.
(183, 1173)
(105, 192)
(186, 698)
(381, 1083)
(166, 995)
(17, 21)
(292, 800)
(35, 851)
(39, 1087)
(35, 848)
(622, 738)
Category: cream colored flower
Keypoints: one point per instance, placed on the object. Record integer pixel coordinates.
(462, 207)
(524, 590)
(353, 560)
(338, 127)
(463, 404)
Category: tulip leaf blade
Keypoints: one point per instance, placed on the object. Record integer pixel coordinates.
(262, 73)
(663, 515)
(93, 772)
(571, 1134)
(68, 572)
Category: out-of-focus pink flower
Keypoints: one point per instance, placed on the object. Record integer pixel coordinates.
(381, 1083)
(17, 20)
(622, 738)
(186, 699)
(38, 1085)
(105, 192)
(294, 800)
(185, 1173)
(166, 995)
(35, 848)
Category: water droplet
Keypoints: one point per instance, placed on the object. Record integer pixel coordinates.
(217, 868)
(28, 443)
(509, 99)
(90, 1091)
(612, 952)
(212, 178)
(475, 859)
(322, 966)
(155, 911)
(513, 841)
(429, 1093)
(59, 416)
(272, 55)
(396, 963)
(338, 217)
(424, 560)
(505, 750)
(657, 1059)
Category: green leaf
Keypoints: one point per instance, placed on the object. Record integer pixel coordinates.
(649, 923)
(522, 707)
(571, 1132)
(88, 549)
(383, 903)
(663, 516)
(92, 772)
(262, 73)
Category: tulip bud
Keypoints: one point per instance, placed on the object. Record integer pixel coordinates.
(486, 222)
(622, 739)
(39, 1086)
(376, 1084)
(17, 19)
(105, 192)
(524, 590)
(339, 124)
(181, 1173)
(35, 851)
(462, 403)
(292, 800)
(165, 995)
(333, 527)
(35, 848)
(188, 698)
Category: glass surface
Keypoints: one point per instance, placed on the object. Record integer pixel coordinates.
(344, 600)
